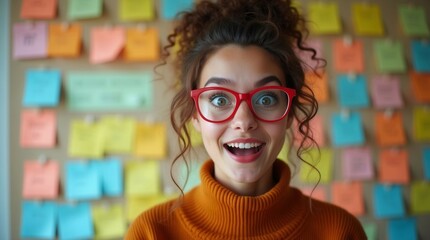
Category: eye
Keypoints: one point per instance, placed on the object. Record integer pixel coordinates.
(266, 99)
(220, 100)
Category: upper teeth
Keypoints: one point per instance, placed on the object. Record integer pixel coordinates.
(243, 145)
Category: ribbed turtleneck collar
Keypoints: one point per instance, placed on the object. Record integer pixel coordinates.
(213, 211)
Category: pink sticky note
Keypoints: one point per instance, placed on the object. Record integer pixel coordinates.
(30, 40)
(357, 163)
(38, 128)
(316, 125)
(318, 193)
(306, 56)
(385, 92)
(41, 180)
(106, 44)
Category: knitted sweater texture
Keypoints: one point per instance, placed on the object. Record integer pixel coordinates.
(211, 211)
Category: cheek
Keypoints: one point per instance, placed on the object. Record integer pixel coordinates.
(211, 132)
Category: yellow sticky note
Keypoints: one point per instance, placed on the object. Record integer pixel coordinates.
(142, 44)
(64, 40)
(283, 154)
(119, 134)
(367, 19)
(324, 18)
(142, 178)
(420, 197)
(133, 10)
(151, 140)
(322, 161)
(136, 205)
(85, 140)
(196, 137)
(109, 221)
(421, 124)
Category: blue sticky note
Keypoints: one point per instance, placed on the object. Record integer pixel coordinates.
(352, 91)
(170, 8)
(111, 176)
(42, 88)
(400, 229)
(347, 130)
(426, 162)
(75, 221)
(82, 181)
(420, 56)
(388, 201)
(38, 219)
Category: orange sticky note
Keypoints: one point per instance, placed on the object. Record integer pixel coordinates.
(106, 44)
(317, 193)
(420, 84)
(64, 40)
(316, 126)
(348, 56)
(38, 128)
(41, 180)
(142, 45)
(318, 84)
(348, 196)
(38, 9)
(394, 166)
(389, 129)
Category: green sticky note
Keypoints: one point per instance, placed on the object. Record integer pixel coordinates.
(389, 56)
(322, 160)
(420, 197)
(81, 9)
(133, 10)
(413, 20)
(371, 231)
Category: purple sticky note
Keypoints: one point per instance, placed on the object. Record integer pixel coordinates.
(357, 163)
(385, 91)
(30, 40)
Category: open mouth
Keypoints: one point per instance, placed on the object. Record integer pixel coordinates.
(243, 149)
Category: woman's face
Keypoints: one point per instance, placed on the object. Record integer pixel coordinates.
(242, 69)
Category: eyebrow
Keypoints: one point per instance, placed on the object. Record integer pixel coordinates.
(260, 83)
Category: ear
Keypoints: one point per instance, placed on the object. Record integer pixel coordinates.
(196, 123)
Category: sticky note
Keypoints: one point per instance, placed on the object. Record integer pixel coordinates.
(420, 85)
(322, 160)
(38, 220)
(151, 140)
(324, 18)
(75, 221)
(64, 40)
(193, 173)
(109, 90)
(347, 129)
(420, 197)
(82, 181)
(83, 9)
(352, 91)
(134, 10)
(426, 162)
(111, 176)
(420, 53)
(319, 193)
(389, 55)
(85, 139)
(348, 57)
(421, 124)
(118, 133)
(42, 88)
(41, 180)
(171, 8)
(403, 228)
(357, 163)
(308, 63)
(196, 137)
(109, 221)
(142, 44)
(136, 205)
(348, 196)
(385, 92)
(388, 201)
(30, 40)
(38, 9)
(389, 129)
(142, 178)
(413, 20)
(367, 19)
(106, 44)
(38, 128)
(317, 131)
(371, 230)
(394, 166)
(318, 83)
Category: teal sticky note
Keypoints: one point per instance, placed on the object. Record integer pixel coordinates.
(371, 231)
(193, 173)
(171, 8)
(111, 176)
(347, 130)
(82, 181)
(389, 56)
(388, 201)
(401, 229)
(42, 88)
(421, 56)
(426, 162)
(38, 219)
(75, 221)
(413, 20)
(352, 91)
(82, 9)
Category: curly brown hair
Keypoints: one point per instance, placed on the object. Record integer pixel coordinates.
(275, 25)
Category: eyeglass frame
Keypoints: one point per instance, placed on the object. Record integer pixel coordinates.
(291, 93)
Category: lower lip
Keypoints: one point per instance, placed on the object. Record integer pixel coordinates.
(245, 159)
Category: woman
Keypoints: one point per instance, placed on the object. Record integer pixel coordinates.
(241, 82)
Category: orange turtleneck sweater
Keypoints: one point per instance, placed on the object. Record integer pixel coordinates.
(211, 211)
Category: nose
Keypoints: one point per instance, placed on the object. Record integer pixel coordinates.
(244, 120)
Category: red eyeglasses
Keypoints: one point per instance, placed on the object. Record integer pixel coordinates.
(218, 104)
